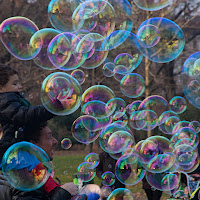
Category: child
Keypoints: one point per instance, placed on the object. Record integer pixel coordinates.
(15, 111)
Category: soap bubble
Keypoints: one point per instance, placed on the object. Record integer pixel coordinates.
(26, 166)
(85, 129)
(148, 36)
(66, 143)
(178, 104)
(132, 85)
(92, 158)
(61, 93)
(43, 37)
(79, 75)
(108, 178)
(171, 43)
(15, 34)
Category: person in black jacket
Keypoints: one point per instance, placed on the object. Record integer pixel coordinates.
(41, 136)
(15, 111)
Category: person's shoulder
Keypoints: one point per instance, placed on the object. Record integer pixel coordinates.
(8, 96)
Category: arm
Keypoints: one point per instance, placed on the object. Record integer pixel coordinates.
(12, 109)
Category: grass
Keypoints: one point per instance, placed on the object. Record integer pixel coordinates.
(66, 166)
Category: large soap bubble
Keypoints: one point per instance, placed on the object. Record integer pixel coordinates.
(61, 93)
(170, 44)
(44, 37)
(26, 166)
(190, 79)
(15, 34)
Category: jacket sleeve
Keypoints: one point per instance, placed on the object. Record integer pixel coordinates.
(59, 193)
(99, 168)
(19, 114)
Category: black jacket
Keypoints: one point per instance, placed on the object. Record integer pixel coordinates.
(7, 192)
(107, 163)
(15, 113)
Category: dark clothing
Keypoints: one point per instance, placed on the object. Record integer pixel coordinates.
(10, 193)
(15, 113)
(151, 194)
(107, 163)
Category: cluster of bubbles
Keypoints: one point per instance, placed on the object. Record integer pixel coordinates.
(88, 34)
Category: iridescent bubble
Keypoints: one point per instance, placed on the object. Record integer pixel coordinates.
(66, 143)
(194, 86)
(152, 5)
(186, 133)
(156, 103)
(170, 181)
(148, 36)
(161, 163)
(126, 54)
(165, 115)
(108, 69)
(126, 60)
(190, 79)
(43, 37)
(133, 107)
(129, 171)
(92, 158)
(168, 126)
(180, 125)
(110, 145)
(185, 154)
(106, 191)
(146, 150)
(15, 34)
(121, 193)
(163, 144)
(63, 54)
(26, 166)
(85, 129)
(119, 141)
(60, 49)
(178, 104)
(97, 92)
(171, 43)
(132, 85)
(108, 178)
(195, 125)
(116, 107)
(97, 16)
(95, 108)
(86, 172)
(60, 14)
(135, 121)
(61, 93)
(79, 75)
(147, 120)
(158, 181)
